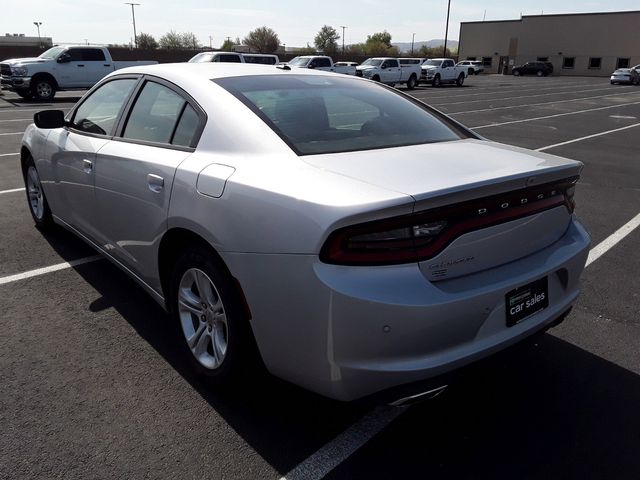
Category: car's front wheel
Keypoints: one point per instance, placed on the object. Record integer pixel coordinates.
(516, 73)
(38, 205)
(215, 331)
(436, 81)
(460, 80)
(540, 73)
(43, 89)
(412, 82)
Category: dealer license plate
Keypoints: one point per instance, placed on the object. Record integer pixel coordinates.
(522, 302)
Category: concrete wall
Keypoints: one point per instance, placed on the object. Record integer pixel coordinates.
(608, 36)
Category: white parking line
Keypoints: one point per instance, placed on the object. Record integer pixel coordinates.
(319, 464)
(516, 98)
(17, 120)
(8, 154)
(587, 137)
(13, 133)
(44, 270)
(553, 102)
(555, 116)
(12, 190)
(609, 242)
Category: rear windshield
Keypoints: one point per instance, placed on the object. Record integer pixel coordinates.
(321, 114)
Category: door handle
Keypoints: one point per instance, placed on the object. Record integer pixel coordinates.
(107, 65)
(81, 65)
(87, 165)
(155, 182)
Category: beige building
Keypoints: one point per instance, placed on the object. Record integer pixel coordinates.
(577, 44)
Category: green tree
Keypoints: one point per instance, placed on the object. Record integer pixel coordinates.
(380, 37)
(228, 45)
(327, 39)
(262, 40)
(435, 52)
(146, 42)
(189, 40)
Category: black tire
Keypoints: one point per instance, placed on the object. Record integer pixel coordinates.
(43, 89)
(412, 82)
(40, 212)
(375, 78)
(460, 80)
(516, 73)
(470, 71)
(24, 93)
(241, 357)
(436, 81)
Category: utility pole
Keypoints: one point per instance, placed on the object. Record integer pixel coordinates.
(37, 24)
(412, 40)
(446, 31)
(210, 40)
(133, 15)
(343, 27)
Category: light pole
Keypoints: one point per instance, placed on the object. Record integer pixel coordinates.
(343, 27)
(446, 31)
(133, 15)
(210, 40)
(412, 40)
(37, 24)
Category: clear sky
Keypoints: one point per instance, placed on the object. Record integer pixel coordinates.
(295, 21)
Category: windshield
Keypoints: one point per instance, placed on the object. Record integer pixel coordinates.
(432, 63)
(372, 61)
(316, 114)
(52, 52)
(202, 58)
(299, 61)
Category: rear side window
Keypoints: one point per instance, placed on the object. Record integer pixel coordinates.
(160, 115)
(99, 112)
(327, 115)
(229, 58)
(93, 55)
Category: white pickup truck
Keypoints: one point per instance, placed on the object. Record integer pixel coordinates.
(438, 71)
(59, 68)
(322, 62)
(389, 71)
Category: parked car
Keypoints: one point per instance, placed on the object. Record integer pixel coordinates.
(388, 70)
(473, 67)
(630, 76)
(541, 69)
(438, 71)
(317, 62)
(234, 57)
(347, 68)
(351, 238)
(59, 68)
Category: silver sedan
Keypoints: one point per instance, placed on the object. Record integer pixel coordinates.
(346, 236)
(629, 76)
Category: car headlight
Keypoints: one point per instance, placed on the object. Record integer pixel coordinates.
(19, 71)
(366, 73)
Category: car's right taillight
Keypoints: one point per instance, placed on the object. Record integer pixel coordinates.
(423, 235)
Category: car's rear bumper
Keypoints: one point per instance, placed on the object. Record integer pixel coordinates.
(349, 332)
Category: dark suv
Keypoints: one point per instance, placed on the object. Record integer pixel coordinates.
(533, 68)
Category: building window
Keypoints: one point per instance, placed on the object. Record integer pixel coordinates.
(568, 62)
(595, 63)
(543, 59)
(486, 61)
(623, 63)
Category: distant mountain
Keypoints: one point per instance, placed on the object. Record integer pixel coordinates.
(406, 46)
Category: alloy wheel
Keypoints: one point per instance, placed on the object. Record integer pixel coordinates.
(34, 190)
(43, 90)
(203, 318)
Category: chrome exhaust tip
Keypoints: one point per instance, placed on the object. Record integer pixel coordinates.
(419, 397)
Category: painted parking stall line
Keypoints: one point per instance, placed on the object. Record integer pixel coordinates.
(16, 120)
(12, 190)
(568, 142)
(524, 120)
(612, 240)
(8, 154)
(52, 268)
(12, 133)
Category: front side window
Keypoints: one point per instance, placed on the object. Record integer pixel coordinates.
(229, 58)
(154, 114)
(75, 54)
(317, 115)
(99, 112)
(324, 62)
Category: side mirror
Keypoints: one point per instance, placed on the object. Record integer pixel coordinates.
(49, 119)
(311, 65)
(64, 58)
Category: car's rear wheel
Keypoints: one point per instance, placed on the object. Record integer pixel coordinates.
(470, 71)
(411, 83)
(460, 80)
(516, 73)
(216, 335)
(540, 73)
(376, 78)
(38, 205)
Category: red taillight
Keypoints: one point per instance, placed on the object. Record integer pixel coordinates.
(422, 235)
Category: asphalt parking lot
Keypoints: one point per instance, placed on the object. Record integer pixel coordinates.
(93, 387)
